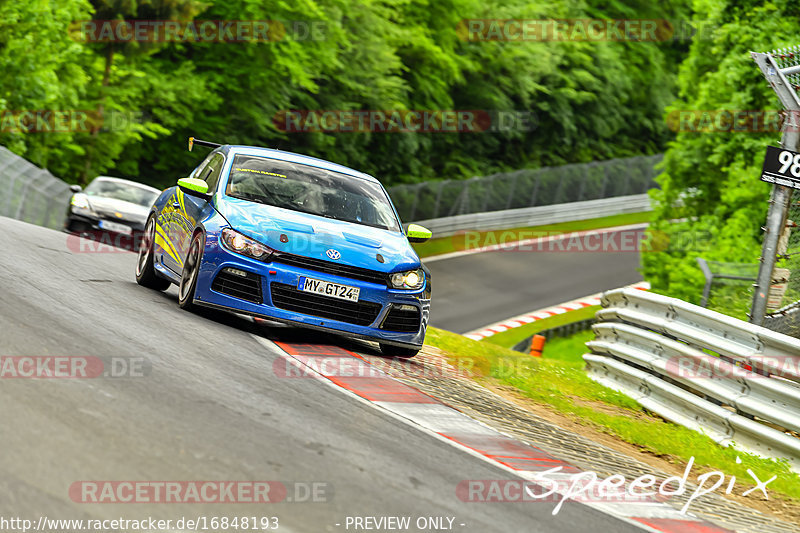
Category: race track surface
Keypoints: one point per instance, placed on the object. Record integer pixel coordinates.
(210, 406)
(472, 291)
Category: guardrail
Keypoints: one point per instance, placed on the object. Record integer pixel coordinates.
(30, 193)
(656, 350)
(540, 215)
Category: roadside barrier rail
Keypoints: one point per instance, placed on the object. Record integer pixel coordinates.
(736, 382)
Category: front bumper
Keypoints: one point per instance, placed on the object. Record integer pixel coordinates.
(376, 301)
(76, 223)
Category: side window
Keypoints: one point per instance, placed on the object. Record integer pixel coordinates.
(211, 173)
(201, 168)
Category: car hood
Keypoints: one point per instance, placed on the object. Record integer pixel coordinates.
(312, 236)
(113, 209)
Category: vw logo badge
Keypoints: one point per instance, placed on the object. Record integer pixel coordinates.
(333, 254)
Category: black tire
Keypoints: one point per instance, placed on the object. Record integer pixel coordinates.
(191, 268)
(145, 271)
(390, 350)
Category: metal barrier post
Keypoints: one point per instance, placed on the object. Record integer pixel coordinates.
(779, 202)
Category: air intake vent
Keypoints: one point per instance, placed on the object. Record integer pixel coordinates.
(239, 284)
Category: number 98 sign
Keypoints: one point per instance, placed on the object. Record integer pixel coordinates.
(781, 167)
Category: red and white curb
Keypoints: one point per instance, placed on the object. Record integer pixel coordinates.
(377, 389)
(527, 318)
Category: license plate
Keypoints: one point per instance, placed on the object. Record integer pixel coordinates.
(326, 288)
(113, 226)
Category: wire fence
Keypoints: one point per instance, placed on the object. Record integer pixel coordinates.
(526, 188)
(729, 286)
(786, 277)
(30, 193)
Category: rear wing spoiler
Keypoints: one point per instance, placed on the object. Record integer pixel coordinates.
(199, 142)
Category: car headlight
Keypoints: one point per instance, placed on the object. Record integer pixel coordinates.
(80, 202)
(412, 279)
(236, 242)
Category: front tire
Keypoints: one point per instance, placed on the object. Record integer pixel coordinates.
(191, 269)
(390, 350)
(145, 271)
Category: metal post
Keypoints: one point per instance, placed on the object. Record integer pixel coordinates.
(709, 280)
(439, 198)
(782, 81)
(776, 220)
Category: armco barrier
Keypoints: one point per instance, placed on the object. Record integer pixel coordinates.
(538, 216)
(656, 350)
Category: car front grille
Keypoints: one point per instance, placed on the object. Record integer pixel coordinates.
(289, 298)
(327, 267)
(246, 287)
(405, 320)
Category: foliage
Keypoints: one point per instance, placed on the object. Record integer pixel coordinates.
(710, 180)
(591, 100)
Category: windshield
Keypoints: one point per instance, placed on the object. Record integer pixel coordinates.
(118, 190)
(311, 190)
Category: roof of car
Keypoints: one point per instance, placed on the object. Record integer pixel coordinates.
(129, 182)
(295, 158)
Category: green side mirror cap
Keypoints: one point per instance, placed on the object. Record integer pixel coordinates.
(193, 186)
(417, 233)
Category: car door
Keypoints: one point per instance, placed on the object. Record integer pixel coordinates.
(169, 221)
(191, 208)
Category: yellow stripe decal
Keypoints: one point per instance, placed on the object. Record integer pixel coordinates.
(163, 241)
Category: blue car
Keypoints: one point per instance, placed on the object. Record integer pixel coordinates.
(289, 238)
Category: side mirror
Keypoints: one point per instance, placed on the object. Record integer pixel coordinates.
(417, 233)
(75, 188)
(194, 187)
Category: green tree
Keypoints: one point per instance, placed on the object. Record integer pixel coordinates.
(710, 180)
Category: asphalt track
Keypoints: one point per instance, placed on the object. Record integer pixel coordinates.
(472, 291)
(212, 408)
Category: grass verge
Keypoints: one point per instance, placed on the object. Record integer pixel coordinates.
(511, 337)
(458, 242)
(560, 383)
